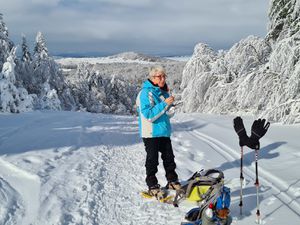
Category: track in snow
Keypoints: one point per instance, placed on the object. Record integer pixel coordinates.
(280, 189)
(89, 169)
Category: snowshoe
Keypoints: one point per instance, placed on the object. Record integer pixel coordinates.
(158, 193)
(175, 185)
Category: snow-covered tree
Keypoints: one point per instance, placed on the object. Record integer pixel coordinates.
(40, 49)
(81, 88)
(3, 28)
(247, 55)
(5, 43)
(120, 96)
(26, 56)
(24, 67)
(40, 76)
(201, 61)
(284, 19)
(256, 76)
(209, 76)
(46, 73)
(48, 99)
(96, 93)
(12, 99)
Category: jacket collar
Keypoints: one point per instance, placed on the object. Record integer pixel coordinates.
(149, 84)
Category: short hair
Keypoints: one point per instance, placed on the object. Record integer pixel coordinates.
(156, 69)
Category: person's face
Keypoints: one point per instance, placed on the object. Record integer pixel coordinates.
(160, 79)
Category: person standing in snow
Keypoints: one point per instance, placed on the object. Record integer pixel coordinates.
(153, 105)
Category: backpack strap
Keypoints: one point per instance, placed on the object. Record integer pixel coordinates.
(214, 171)
(205, 179)
(200, 178)
(190, 185)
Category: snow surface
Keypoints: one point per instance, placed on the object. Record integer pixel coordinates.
(82, 168)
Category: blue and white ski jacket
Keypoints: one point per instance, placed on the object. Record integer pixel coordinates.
(153, 119)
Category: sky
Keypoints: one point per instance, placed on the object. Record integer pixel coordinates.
(104, 27)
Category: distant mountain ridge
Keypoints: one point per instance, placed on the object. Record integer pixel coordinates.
(138, 56)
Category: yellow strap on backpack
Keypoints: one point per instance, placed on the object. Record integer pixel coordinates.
(197, 192)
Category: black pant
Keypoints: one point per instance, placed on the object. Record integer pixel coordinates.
(153, 146)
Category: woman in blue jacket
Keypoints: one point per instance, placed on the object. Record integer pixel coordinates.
(153, 105)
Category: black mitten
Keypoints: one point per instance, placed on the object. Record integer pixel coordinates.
(241, 131)
(258, 130)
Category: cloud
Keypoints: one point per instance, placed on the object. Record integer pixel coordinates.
(159, 27)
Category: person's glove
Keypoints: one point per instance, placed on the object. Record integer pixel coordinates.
(258, 130)
(241, 131)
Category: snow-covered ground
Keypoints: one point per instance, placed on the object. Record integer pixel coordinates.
(82, 168)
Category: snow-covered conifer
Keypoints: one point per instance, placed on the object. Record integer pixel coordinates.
(26, 56)
(12, 99)
(46, 70)
(5, 43)
(40, 49)
(48, 99)
(3, 28)
(96, 93)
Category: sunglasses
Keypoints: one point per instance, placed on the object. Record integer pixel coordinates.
(161, 77)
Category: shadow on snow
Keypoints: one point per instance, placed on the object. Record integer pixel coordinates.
(54, 130)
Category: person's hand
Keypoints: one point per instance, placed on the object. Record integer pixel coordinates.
(170, 100)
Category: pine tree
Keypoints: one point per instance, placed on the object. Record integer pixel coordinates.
(48, 74)
(3, 28)
(25, 68)
(40, 49)
(26, 56)
(8, 69)
(12, 98)
(5, 44)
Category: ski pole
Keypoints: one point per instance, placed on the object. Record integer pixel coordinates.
(257, 187)
(241, 180)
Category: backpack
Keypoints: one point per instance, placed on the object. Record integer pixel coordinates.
(207, 188)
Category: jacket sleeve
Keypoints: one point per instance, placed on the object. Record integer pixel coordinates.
(165, 94)
(149, 111)
(171, 111)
